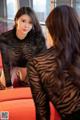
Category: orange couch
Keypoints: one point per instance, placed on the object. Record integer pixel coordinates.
(19, 104)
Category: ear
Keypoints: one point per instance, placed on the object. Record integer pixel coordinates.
(15, 22)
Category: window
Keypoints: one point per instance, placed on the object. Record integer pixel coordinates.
(63, 2)
(11, 8)
(76, 5)
(42, 9)
(73, 3)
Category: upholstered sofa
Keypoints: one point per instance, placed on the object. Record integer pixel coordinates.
(19, 104)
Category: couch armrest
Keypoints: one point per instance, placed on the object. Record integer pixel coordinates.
(13, 94)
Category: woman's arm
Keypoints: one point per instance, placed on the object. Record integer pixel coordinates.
(39, 95)
(6, 64)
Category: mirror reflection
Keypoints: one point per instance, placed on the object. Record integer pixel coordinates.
(16, 74)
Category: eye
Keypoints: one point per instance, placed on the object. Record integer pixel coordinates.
(30, 22)
(23, 21)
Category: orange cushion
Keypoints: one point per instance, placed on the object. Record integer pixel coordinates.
(19, 109)
(19, 103)
(23, 109)
(54, 113)
(15, 93)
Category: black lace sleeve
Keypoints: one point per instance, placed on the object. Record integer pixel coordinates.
(39, 95)
(6, 63)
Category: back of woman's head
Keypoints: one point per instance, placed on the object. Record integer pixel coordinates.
(64, 27)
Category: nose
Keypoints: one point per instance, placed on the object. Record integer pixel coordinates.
(26, 25)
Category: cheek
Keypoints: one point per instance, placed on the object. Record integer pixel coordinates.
(19, 26)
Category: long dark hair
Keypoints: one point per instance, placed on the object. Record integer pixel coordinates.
(64, 27)
(36, 33)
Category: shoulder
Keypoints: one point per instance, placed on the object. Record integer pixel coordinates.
(51, 52)
(6, 34)
(5, 37)
(48, 57)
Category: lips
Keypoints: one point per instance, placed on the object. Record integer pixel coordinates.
(25, 30)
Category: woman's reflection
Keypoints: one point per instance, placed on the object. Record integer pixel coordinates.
(19, 45)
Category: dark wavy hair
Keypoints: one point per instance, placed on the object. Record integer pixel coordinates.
(64, 28)
(36, 34)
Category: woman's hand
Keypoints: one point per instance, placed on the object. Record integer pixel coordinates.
(2, 78)
(22, 73)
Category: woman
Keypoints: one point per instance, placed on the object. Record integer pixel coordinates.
(20, 44)
(54, 75)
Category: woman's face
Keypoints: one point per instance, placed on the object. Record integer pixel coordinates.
(24, 24)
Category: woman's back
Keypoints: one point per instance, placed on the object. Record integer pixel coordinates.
(55, 75)
(66, 98)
